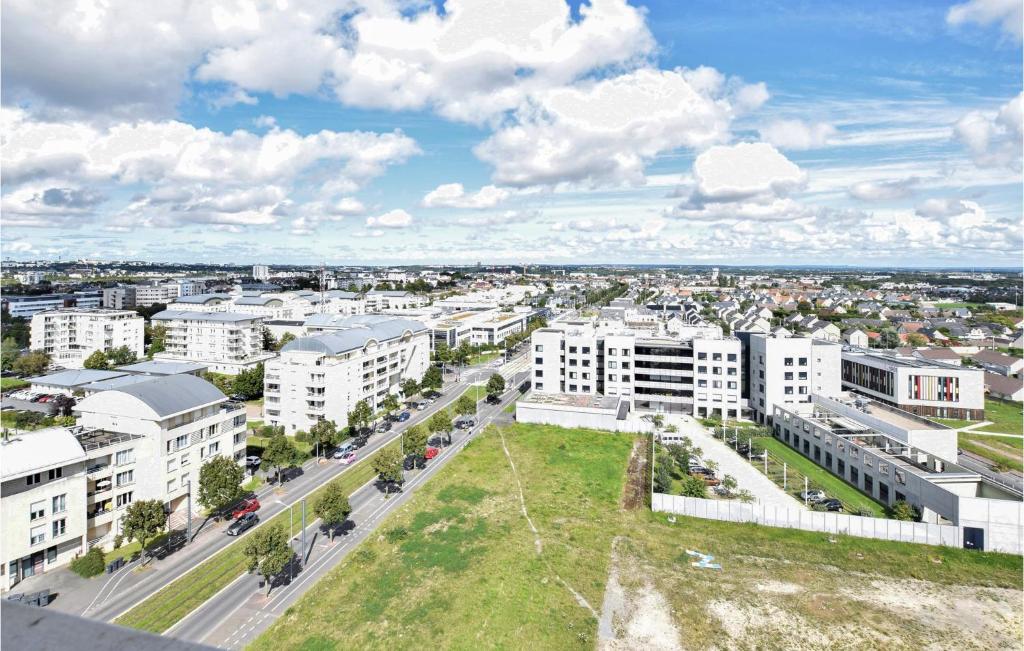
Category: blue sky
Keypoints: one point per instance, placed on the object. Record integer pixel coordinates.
(877, 133)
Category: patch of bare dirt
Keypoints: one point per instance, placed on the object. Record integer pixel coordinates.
(635, 617)
(634, 493)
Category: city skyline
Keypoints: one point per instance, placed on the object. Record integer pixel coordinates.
(607, 133)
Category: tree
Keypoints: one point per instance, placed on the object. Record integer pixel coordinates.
(387, 465)
(280, 453)
(888, 338)
(915, 339)
(286, 338)
(442, 353)
(249, 383)
(465, 406)
(323, 433)
(432, 379)
(143, 521)
(157, 335)
(32, 363)
(9, 351)
(694, 487)
(269, 342)
(268, 552)
(360, 416)
(901, 510)
(410, 387)
(662, 475)
(332, 507)
(729, 484)
(440, 422)
(121, 355)
(495, 386)
(97, 361)
(390, 404)
(220, 481)
(415, 441)
(462, 354)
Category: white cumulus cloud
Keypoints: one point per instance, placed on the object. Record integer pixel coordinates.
(454, 195)
(797, 134)
(397, 218)
(1008, 13)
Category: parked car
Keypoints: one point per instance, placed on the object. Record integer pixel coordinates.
(493, 400)
(245, 521)
(249, 505)
(711, 480)
(404, 416)
(431, 453)
(831, 504)
(701, 470)
(348, 458)
(813, 496)
(343, 450)
(238, 397)
(253, 461)
(383, 426)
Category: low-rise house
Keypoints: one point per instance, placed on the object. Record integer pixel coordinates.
(1004, 388)
(998, 362)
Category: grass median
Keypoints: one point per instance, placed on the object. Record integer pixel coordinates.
(174, 601)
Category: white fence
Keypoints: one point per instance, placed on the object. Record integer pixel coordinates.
(839, 523)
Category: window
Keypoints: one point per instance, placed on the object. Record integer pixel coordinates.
(702, 384)
(716, 357)
(538, 373)
(573, 362)
(731, 357)
(185, 460)
(538, 385)
(625, 352)
(56, 473)
(171, 483)
(613, 364)
(37, 510)
(611, 351)
(803, 391)
(854, 476)
(59, 527)
(731, 371)
(172, 464)
(803, 361)
(51, 554)
(539, 348)
(572, 349)
(124, 456)
(625, 378)
(787, 376)
(586, 376)
(717, 370)
(802, 375)
(572, 375)
(37, 535)
(613, 378)
(538, 360)
(702, 355)
(572, 387)
(33, 479)
(586, 388)
(124, 499)
(869, 485)
(788, 391)
(702, 369)
(125, 478)
(788, 361)
(586, 362)
(732, 385)
(214, 447)
(586, 350)
(60, 503)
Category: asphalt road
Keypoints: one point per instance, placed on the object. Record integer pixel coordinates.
(239, 613)
(121, 591)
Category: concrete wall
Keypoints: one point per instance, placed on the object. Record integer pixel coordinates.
(999, 537)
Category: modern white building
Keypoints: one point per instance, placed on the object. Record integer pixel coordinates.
(689, 372)
(888, 455)
(30, 277)
(260, 272)
(323, 376)
(385, 300)
(65, 489)
(131, 296)
(922, 387)
(484, 327)
(226, 342)
(26, 306)
(70, 335)
(783, 369)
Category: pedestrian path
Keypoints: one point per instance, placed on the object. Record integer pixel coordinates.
(730, 463)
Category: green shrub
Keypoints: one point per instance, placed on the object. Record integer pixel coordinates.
(903, 511)
(302, 436)
(396, 534)
(90, 565)
(118, 540)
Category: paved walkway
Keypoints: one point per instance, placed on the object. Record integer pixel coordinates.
(731, 463)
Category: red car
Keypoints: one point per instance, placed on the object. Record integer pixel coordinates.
(431, 453)
(247, 506)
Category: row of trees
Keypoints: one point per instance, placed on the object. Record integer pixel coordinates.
(104, 360)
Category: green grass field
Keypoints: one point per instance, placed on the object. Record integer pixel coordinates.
(177, 599)
(1006, 417)
(7, 383)
(459, 567)
(826, 481)
(483, 358)
(1003, 451)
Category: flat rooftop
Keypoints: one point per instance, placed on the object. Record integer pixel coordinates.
(596, 401)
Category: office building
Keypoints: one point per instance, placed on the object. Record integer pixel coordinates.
(920, 386)
(887, 454)
(378, 301)
(694, 371)
(70, 335)
(323, 376)
(226, 342)
(784, 369)
(65, 490)
(26, 306)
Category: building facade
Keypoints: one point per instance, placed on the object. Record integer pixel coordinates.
(783, 369)
(70, 335)
(323, 376)
(922, 387)
(226, 342)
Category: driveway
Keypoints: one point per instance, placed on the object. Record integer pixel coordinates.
(731, 463)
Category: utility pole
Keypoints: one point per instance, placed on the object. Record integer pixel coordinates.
(805, 491)
(784, 474)
(303, 555)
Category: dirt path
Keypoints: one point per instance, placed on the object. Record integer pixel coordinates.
(635, 490)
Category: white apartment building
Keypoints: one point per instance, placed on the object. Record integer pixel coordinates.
(26, 306)
(784, 369)
(323, 376)
(885, 453)
(260, 272)
(385, 300)
(70, 335)
(226, 342)
(65, 489)
(920, 386)
(486, 327)
(30, 277)
(698, 375)
(130, 296)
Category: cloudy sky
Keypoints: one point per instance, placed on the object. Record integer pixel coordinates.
(382, 131)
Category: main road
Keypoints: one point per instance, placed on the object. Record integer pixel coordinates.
(239, 613)
(125, 589)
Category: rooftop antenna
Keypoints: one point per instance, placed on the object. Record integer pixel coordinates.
(323, 281)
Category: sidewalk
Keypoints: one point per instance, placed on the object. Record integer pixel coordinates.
(730, 463)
